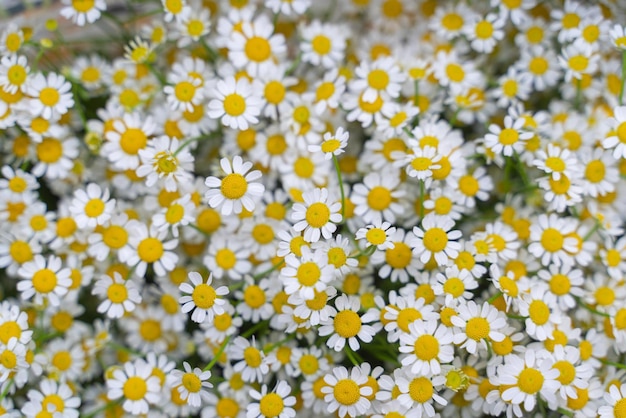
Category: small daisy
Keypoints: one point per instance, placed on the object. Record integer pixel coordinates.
(162, 160)
(333, 144)
(347, 324)
(14, 72)
(192, 384)
(306, 274)
(427, 346)
(256, 46)
(92, 206)
(508, 140)
(83, 11)
(237, 190)
(616, 139)
(120, 295)
(346, 392)
(235, 103)
(479, 325)
(316, 217)
(148, 246)
(134, 383)
(378, 198)
(44, 280)
(276, 404)
(51, 95)
(551, 239)
(51, 399)
(204, 299)
(249, 360)
(435, 239)
(377, 234)
(323, 44)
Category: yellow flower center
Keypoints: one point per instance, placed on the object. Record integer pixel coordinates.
(16, 75)
(435, 240)
(604, 296)
(174, 213)
(530, 381)
(347, 324)
(552, 240)
(49, 150)
(8, 359)
(258, 49)
(49, 96)
(484, 30)
(274, 92)
(321, 44)
(308, 273)
(132, 140)
(477, 328)
(254, 296)
(252, 357)
(135, 388)
(225, 258)
(567, 370)
(508, 136)
(44, 281)
(184, 91)
(192, 382)
(560, 284)
(378, 79)
(595, 171)
(150, 250)
(538, 65)
(94, 208)
(150, 330)
(578, 63)
(90, 75)
(421, 389)
(234, 186)
(9, 330)
(234, 104)
(271, 405)
(426, 347)
(399, 256)
(330, 145)
(20, 252)
(324, 91)
(570, 20)
(317, 215)
(468, 185)
(347, 392)
(452, 21)
(223, 322)
(375, 236)
(117, 293)
(226, 408)
(582, 398)
(379, 198)
(115, 236)
(454, 286)
(455, 72)
(539, 312)
(337, 257)
(62, 360)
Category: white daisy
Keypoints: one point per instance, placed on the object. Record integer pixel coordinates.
(237, 190)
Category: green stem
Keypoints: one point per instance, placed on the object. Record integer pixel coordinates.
(590, 309)
(186, 143)
(6, 390)
(343, 195)
(268, 271)
(494, 297)
(293, 65)
(422, 197)
(350, 354)
(367, 251)
(270, 348)
(254, 329)
(612, 363)
(120, 347)
(579, 95)
(519, 317)
(104, 407)
(621, 90)
(218, 355)
(565, 412)
(157, 74)
(592, 231)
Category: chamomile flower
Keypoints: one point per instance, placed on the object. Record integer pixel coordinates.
(136, 385)
(147, 245)
(436, 239)
(541, 318)
(249, 360)
(237, 190)
(191, 384)
(119, 295)
(616, 139)
(306, 274)
(235, 103)
(227, 256)
(14, 73)
(551, 240)
(323, 44)
(377, 234)
(346, 392)
(378, 198)
(92, 206)
(275, 404)
(204, 299)
(316, 216)
(83, 11)
(51, 399)
(508, 140)
(485, 32)
(426, 347)
(526, 377)
(479, 325)
(179, 213)
(347, 324)
(332, 144)
(128, 136)
(51, 95)
(44, 280)
(383, 78)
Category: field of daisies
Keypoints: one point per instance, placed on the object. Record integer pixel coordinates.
(313, 208)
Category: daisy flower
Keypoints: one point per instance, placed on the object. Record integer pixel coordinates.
(333, 144)
(83, 11)
(377, 234)
(179, 213)
(618, 36)
(306, 274)
(129, 135)
(235, 103)
(204, 299)
(163, 160)
(52, 398)
(44, 280)
(288, 8)
(175, 10)
(398, 262)
(478, 325)
(316, 217)
(92, 206)
(346, 392)
(378, 198)
(615, 399)
(421, 163)
(249, 360)
(227, 256)
(426, 346)
(184, 92)
(237, 190)
(508, 140)
(51, 95)
(323, 44)
(382, 77)
(528, 376)
(13, 359)
(403, 310)
(435, 239)
(120, 295)
(14, 324)
(192, 384)
(551, 239)
(137, 386)
(255, 46)
(275, 404)
(485, 33)
(347, 324)
(148, 246)
(541, 319)
(14, 73)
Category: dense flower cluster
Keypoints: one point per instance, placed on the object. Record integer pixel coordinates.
(271, 208)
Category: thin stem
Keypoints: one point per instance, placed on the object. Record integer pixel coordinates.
(621, 90)
(104, 407)
(270, 348)
(254, 329)
(422, 197)
(590, 309)
(293, 65)
(6, 390)
(579, 94)
(494, 297)
(367, 251)
(268, 271)
(350, 354)
(612, 363)
(218, 355)
(591, 231)
(186, 143)
(343, 195)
